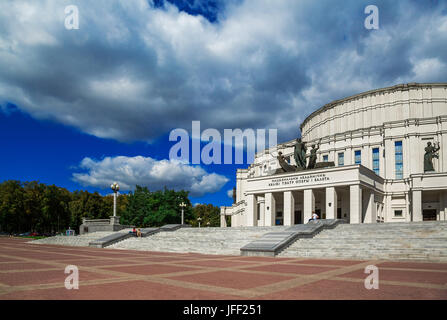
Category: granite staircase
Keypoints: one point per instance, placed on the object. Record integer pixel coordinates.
(227, 241)
(80, 240)
(424, 241)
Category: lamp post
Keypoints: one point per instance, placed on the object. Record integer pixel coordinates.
(115, 187)
(199, 219)
(182, 205)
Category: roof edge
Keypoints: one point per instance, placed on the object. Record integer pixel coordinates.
(392, 88)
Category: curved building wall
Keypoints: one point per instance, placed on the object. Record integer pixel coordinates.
(381, 135)
(413, 113)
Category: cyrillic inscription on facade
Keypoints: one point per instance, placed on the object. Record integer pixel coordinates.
(293, 181)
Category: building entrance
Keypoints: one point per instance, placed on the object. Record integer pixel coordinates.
(298, 217)
(429, 215)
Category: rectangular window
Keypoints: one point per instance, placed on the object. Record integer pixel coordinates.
(399, 159)
(341, 159)
(375, 155)
(325, 158)
(398, 213)
(358, 157)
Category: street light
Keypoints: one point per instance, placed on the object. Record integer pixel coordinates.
(199, 219)
(182, 205)
(115, 187)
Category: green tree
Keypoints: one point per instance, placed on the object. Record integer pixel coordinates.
(154, 209)
(208, 213)
(12, 213)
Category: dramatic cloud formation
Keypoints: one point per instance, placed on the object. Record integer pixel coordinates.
(132, 171)
(133, 70)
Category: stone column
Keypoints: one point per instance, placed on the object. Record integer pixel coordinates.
(444, 217)
(308, 204)
(289, 208)
(355, 204)
(390, 163)
(370, 216)
(261, 221)
(270, 209)
(223, 221)
(407, 207)
(252, 208)
(331, 203)
(416, 203)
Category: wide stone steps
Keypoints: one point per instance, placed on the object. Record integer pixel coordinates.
(203, 240)
(76, 241)
(399, 241)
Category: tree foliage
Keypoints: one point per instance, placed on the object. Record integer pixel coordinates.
(208, 214)
(34, 206)
(154, 209)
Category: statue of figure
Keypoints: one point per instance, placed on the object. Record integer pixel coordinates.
(286, 167)
(313, 156)
(430, 153)
(300, 155)
(234, 195)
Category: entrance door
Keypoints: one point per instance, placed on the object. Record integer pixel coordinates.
(298, 217)
(429, 215)
(279, 221)
(338, 213)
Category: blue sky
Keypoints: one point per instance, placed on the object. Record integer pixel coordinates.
(81, 108)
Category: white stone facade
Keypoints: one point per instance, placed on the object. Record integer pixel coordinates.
(377, 141)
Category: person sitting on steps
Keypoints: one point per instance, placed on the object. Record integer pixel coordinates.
(314, 216)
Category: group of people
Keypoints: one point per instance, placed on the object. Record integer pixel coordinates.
(136, 232)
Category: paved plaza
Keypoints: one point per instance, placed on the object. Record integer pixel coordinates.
(30, 271)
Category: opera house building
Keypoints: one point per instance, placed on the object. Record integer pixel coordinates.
(378, 156)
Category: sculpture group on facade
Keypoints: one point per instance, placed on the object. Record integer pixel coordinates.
(430, 153)
(300, 155)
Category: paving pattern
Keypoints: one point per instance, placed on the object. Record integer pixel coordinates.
(30, 271)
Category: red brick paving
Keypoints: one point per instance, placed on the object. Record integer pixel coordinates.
(341, 290)
(415, 265)
(404, 276)
(289, 268)
(232, 279)
(328, 262)
(149, 269)
(44, 277)
(25, 273)
(130, 290)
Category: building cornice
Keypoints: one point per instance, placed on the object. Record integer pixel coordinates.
(399, 87)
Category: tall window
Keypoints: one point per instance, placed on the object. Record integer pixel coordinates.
(399, 159)
(358, 157)
(325, 158)
(376, 167)
(341, 159)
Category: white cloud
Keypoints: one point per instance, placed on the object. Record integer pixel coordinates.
(145, 171)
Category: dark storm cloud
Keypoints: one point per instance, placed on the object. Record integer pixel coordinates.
(134, 71)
